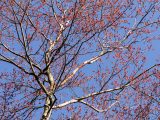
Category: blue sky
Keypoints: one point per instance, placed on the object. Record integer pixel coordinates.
(151, 60)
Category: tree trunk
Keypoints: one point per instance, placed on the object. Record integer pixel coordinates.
(50, 99)
(47, 109)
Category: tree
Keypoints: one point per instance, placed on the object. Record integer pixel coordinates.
(78, 59)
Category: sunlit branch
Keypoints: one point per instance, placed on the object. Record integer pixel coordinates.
(129, 83)
(98, 110)
(85, 103)
(90, 61)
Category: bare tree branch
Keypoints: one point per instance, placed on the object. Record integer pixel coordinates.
(129, 83)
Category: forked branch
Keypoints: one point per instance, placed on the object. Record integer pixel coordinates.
(129, 83)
